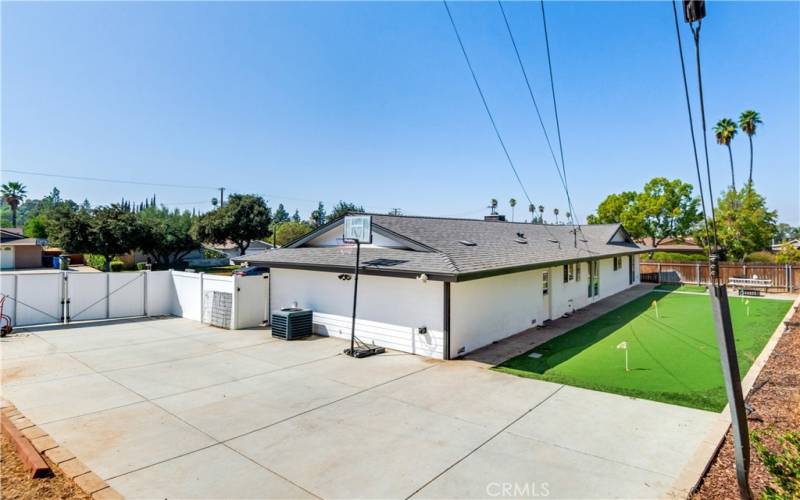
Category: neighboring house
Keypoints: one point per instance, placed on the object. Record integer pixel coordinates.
(444, 287)
(777, 246)
(19, 252)
(230, 249)
(678, 245)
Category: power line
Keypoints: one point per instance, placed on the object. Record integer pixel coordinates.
(485, 104)
(555, 111)
(691, 121)
(561, 176)
(114, 181)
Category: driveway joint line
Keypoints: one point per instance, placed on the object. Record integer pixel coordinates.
(484, 443)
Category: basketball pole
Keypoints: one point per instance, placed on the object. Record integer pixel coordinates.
(355, 300)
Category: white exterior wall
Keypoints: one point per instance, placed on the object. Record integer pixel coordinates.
(490, 309)
(390, 310)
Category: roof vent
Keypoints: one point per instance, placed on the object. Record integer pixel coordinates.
(467, 243)
(521, 235)
(521, 240)
(495, 218)
(551, 240)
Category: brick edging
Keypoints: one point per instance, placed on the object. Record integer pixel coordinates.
(31, 441)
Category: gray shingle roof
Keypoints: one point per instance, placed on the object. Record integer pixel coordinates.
(497, 247)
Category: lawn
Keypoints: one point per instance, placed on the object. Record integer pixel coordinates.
(681, 288)
(673, 358)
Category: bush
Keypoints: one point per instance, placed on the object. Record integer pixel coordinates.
(780, 454)
(96, 261)
(677, 257)
(141, 266)
(117, 266)
(788, 254)
(763, 256)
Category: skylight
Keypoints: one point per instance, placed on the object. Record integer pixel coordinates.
(467, 243)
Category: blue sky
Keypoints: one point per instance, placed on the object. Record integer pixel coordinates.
(372, 102)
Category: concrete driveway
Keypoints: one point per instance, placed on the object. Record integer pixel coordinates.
(171, 408)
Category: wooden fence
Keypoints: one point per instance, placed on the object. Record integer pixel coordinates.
(785, 277)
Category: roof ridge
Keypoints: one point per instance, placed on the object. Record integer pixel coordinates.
(436, 217)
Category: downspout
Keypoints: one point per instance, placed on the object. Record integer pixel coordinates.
(446, 320)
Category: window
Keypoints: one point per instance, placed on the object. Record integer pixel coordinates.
(617, 263)
(578, 271)
(545, 283)
(594, 278)
(569, 272)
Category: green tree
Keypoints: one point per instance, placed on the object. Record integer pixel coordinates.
(318, 216)
(748, 122)
(725, 131)
(611, 210)
(788, 254)
(493, 206)
(166, 236)
(512, 203)
(541, 214)
(281, 215)
(344, 208)
(532, 210)
(290, 231)
(105, 231)
(36, 227)
(242, 219)
(744, 223)
(296, 216)
(13, 193)
(784, 232)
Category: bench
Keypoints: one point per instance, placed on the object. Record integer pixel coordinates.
(751, 287)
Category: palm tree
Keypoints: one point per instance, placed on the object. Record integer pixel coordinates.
(748, 121)
(541, 214)
(569, 216)
(725, 130)
(493, 206)
(214, 202)
(532, 210)
(555, 212)
(513, 204)
(13, 193)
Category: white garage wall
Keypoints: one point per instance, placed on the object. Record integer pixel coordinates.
(159, 293)
(389, 309)
(489, 309)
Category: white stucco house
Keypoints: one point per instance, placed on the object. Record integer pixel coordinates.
(443, 287)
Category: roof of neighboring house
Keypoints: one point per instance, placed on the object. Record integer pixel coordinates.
(795, 243)
(11, 233)
(229, 245)
(20, 242)
(455, 249)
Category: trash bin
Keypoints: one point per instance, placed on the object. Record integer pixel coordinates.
(63, 263)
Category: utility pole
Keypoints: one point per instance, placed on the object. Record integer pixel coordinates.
(221, 197)
(694, 11)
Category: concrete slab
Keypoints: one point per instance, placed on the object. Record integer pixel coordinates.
(173, 377)
(468, 392)
(295, 352)
(516, 467)
(216, 472)
(143, 354)
(121, 440)
(362, 447)
(228, 339)
(46, 401)
(22, 344)
(368, 372)
(618, 428)
(229, 410)
(40, 368)
(121, 335)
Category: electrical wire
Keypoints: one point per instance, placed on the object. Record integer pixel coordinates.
(114, 181)
(555, 111)
(691, 122)
(485, 104)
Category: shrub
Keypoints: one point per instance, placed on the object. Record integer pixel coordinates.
(141, 266)
(96, 261)
(762, 256)
(788, 254)
(782, 460)
(677, 257)
(117, 266)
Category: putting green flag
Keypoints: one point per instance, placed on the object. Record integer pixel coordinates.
(655, 306)
(624, 345)
(747, 306)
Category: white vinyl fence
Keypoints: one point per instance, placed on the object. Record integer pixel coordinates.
(64, 296)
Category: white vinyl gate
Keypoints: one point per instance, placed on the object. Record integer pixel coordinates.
(63, 296)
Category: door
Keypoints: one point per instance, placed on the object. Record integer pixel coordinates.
(7, 257)
(546, 295)
(631, 271)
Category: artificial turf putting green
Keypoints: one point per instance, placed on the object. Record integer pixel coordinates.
(673, 358)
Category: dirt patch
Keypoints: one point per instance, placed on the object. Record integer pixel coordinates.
(775, 400)
(16, 483)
